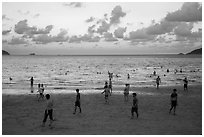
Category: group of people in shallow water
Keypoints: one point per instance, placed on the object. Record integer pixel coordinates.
(108, 92)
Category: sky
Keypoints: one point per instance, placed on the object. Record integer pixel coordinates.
(72, 28)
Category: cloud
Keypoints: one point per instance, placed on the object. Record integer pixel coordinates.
(45, 38)
(103, 28)
(23, 13)
(5, 32)
(140, 34)
(116, 14)
(109, 37)
(161, 28)
(90, 38)
(4, 41)
(75, 39)
(22, 28)
(91, 29)
(5, 18)
(36, 15)
(73, 4)
(189, 12)
(17, 41)
(119, 32)
(90, 19)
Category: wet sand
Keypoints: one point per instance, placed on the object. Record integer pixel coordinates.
(23, 114)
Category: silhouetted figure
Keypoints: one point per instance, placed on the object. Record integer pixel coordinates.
(106, 84)
(181, 70)
(158, 81)
(10, 79)
(126, 92)
(154, 73)
(128, 76)
(185, 84)
(107, 93)
(48, 110)
(173, 101)
(134, 106)
(77, 102)
(167, 70)
(41, 91)
(110, 81)
(31, 84)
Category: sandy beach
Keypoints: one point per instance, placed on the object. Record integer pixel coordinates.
(23, 114)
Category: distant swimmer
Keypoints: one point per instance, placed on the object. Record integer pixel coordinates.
(106, 84)
(181, 70)
(154, 73)
(134, 106)
(10, 79)
(185, 84)
(126, 92)
(128, 76)
(77, 102)
(175, 71)
(158, 81)
(167, 70)
(107, 93)
(173, 101)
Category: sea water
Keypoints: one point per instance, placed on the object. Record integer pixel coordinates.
(63, 74)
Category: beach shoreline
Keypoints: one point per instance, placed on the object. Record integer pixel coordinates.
(23, 114)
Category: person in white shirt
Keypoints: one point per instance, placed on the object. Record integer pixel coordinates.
(48, 110)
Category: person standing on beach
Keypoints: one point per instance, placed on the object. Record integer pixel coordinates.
(41, 92)
(31, 84)
(107, 93)
(48, 110)
(134, 106)
(158, 81)
(128, 76)
(154, 73)
(126, 92)
(77, 102)
(185, 84)
(110, 81)
(173, 101)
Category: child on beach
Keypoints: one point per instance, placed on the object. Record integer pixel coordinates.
(48, 110)
(126, 92)
(185, 84)
(107, 93)
(77, 102)
(134, 106)
(173, 101)
(158, 81)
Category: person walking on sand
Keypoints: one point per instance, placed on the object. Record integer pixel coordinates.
(134, 106)
(107, 93)
(48, 110)
(173, 101)
(126, 92)
(31, 84)
(185, 84)
(158, 81)
(77, 102)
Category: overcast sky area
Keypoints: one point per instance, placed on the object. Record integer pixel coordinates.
(101, 28)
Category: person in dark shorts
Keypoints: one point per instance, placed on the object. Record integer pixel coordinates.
(77, 102)
(173, 101)
(158, 81)
(134, 106)
(48, 110)
(107, 93)
(185, 84)
(31, 84)
(126, 92)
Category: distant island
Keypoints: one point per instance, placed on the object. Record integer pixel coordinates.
(197, 51)
(5, 52)
(32, 54)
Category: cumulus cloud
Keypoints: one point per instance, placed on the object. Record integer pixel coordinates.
(161, 28)
(73, 4)
(17, 41)
(74, 39)
(90, 38)
(90, 19)
(119, 32)
(23, 13)
(4, 17)
(189, 12)
(5, 32)
(140, 34)
(109, 37)
(91, 29)
(116, 14)
(22, 28)
(45, 38)
(103, 28)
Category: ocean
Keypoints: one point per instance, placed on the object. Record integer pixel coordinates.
(63, 74)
